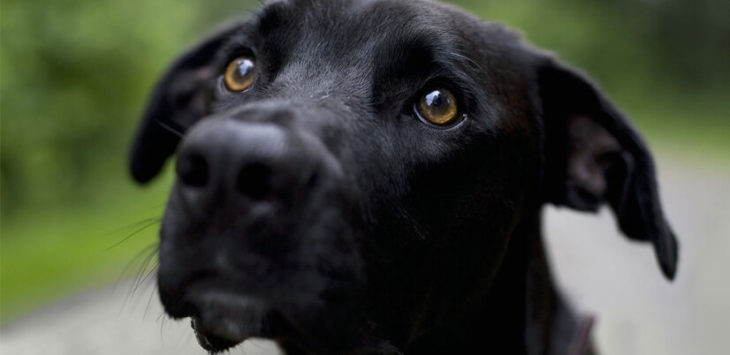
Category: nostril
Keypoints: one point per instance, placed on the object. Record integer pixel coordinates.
(254, 181)
(193, 170)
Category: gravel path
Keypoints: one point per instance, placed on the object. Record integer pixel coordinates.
(638, 312)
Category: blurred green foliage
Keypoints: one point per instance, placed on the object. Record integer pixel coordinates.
(74, 79)
(74, 76)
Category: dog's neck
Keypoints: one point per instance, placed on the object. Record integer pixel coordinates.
(522, 313)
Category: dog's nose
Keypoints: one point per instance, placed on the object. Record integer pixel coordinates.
(238, 160)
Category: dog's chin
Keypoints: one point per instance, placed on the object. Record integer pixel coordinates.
(223, 320)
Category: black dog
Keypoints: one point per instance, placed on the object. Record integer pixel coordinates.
(358, 177)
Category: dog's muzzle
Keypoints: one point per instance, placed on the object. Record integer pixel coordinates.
(251, 242)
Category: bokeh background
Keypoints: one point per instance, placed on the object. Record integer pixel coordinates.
(75, 74)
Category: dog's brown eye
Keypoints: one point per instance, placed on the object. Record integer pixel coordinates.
(438, 107)
(239, 74)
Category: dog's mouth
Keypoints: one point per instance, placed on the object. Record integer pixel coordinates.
(223, 320)
(288, 277)
(213, 342)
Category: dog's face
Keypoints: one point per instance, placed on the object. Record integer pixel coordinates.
(351, 168)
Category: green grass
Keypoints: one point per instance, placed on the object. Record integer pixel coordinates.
(47, 254)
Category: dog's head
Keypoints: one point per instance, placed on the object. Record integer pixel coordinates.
(337, 161)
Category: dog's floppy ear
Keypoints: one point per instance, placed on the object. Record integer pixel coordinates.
(177, 102)
(595, 156)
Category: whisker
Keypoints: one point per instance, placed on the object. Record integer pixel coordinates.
(145, 224)
(124, 229)
(139, 279)
(152, 291)
(144, 253)
(170, 128)
(142, 258)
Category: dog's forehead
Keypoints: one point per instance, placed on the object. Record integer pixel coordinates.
(362, 26)
(329, 11)
(365, 38)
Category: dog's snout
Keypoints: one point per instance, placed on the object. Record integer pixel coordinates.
(252, 189)
(245, 160)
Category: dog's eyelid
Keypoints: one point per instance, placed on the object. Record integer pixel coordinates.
(454, 83)
(457, 82)
(235, 52)
(236, 46)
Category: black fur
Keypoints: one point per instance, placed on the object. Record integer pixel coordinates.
(317, 210)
